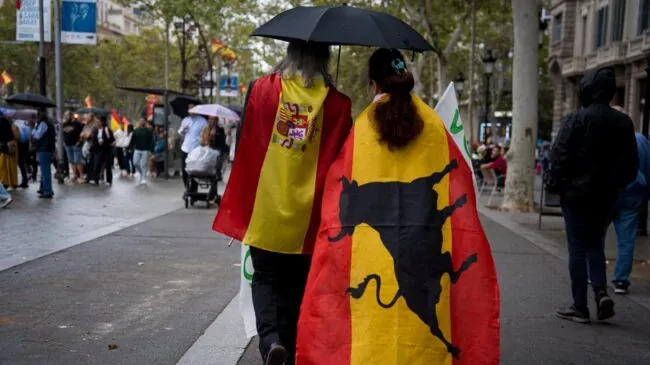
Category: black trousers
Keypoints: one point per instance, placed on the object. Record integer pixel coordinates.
(278, 287)
(119, 154)
(101, 160)
(23, 157)
(32, 163)
(190, 185)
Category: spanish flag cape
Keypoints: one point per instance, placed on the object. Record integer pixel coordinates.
(291, 134)
(402, 272)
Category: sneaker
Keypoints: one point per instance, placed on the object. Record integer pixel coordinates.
(573, 314)
(621, 287)
(605, 305)
(143, 182)
(46, 196)
(5, 203)
(276, 355)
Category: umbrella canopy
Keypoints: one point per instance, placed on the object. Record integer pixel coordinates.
(237, 109)
(96, 111)
(343, 25)
(215, 110)
(181, 105)
(29, 99)
(19, 114)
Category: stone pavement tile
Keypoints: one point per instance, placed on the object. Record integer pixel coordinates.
(152, 296)
(33, 227)
(533, 283)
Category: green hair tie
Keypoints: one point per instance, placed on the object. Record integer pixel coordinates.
(399, 66)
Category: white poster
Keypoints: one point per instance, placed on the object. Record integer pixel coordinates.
(28, 21)
(246, 293)
(449, 112)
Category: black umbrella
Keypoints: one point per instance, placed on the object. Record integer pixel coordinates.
(181, 104)
(96, 111)
(343, 25)
(29, 99)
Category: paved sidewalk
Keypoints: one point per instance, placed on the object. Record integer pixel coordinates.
(33, 227)
(533, 282)
(552, 237)
(151, 290)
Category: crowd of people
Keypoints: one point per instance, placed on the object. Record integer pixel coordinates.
(92, 150)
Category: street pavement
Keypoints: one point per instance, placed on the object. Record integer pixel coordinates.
(33, 227)
(125, 275)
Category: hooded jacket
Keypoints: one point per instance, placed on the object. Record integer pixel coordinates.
(595, 151)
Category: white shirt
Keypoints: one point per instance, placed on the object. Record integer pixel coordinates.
(190, 129)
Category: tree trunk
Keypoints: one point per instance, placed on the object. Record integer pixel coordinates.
(443, 77)
(521, 157)
(470, 87)
(416, 69)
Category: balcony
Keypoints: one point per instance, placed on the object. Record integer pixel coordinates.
(638, 45)
(607, 55)
(573, 66)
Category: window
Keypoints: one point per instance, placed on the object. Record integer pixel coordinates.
(601, 26)
(644, 15)
(557, 27)
(618, 25)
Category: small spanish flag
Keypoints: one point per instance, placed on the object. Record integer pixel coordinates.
(228, 54)
(217, 46)
(6, 78)
(115, 120)
(88, 102)
(402, 272)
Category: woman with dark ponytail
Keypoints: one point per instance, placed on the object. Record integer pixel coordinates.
(401, 262)
(395, 115)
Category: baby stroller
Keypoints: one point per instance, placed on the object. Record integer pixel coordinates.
(201, 167)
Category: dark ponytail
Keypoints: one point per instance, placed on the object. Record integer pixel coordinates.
(396, 119)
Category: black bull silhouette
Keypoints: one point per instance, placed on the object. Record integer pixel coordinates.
(409, 223)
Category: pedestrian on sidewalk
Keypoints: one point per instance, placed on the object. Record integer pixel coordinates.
(626, 215)
(190, 131)
(589, 177)
(142, 144)
(295, 124)
(45, 135)
(23, 152)
(72, 129)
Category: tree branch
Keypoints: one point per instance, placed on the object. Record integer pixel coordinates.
(455, 36)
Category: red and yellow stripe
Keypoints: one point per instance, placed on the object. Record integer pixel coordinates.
(335, 329)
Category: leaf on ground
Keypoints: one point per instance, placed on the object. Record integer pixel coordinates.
(112, 347)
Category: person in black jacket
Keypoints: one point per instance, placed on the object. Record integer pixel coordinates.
(102, 150)
(588, 175)
(44, 134)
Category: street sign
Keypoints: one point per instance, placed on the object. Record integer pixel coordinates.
(28, 21)
(229, 85)
(79, 22)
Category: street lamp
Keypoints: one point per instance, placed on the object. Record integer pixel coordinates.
(459, 83)
(488, 68)
(543, 25)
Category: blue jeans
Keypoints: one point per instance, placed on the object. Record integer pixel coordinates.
(586, 220)
(4, 195)
(74, 155)
(141, 162)
(626, 221)
(45, 162)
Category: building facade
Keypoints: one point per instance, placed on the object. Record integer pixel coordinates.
(588, 34)
(115, 21)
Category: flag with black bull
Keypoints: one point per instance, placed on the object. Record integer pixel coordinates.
(402, 271)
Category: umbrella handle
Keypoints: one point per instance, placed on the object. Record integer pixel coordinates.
(338, 64)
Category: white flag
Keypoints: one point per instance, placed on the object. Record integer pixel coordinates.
(246, 293)
(449, 112)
